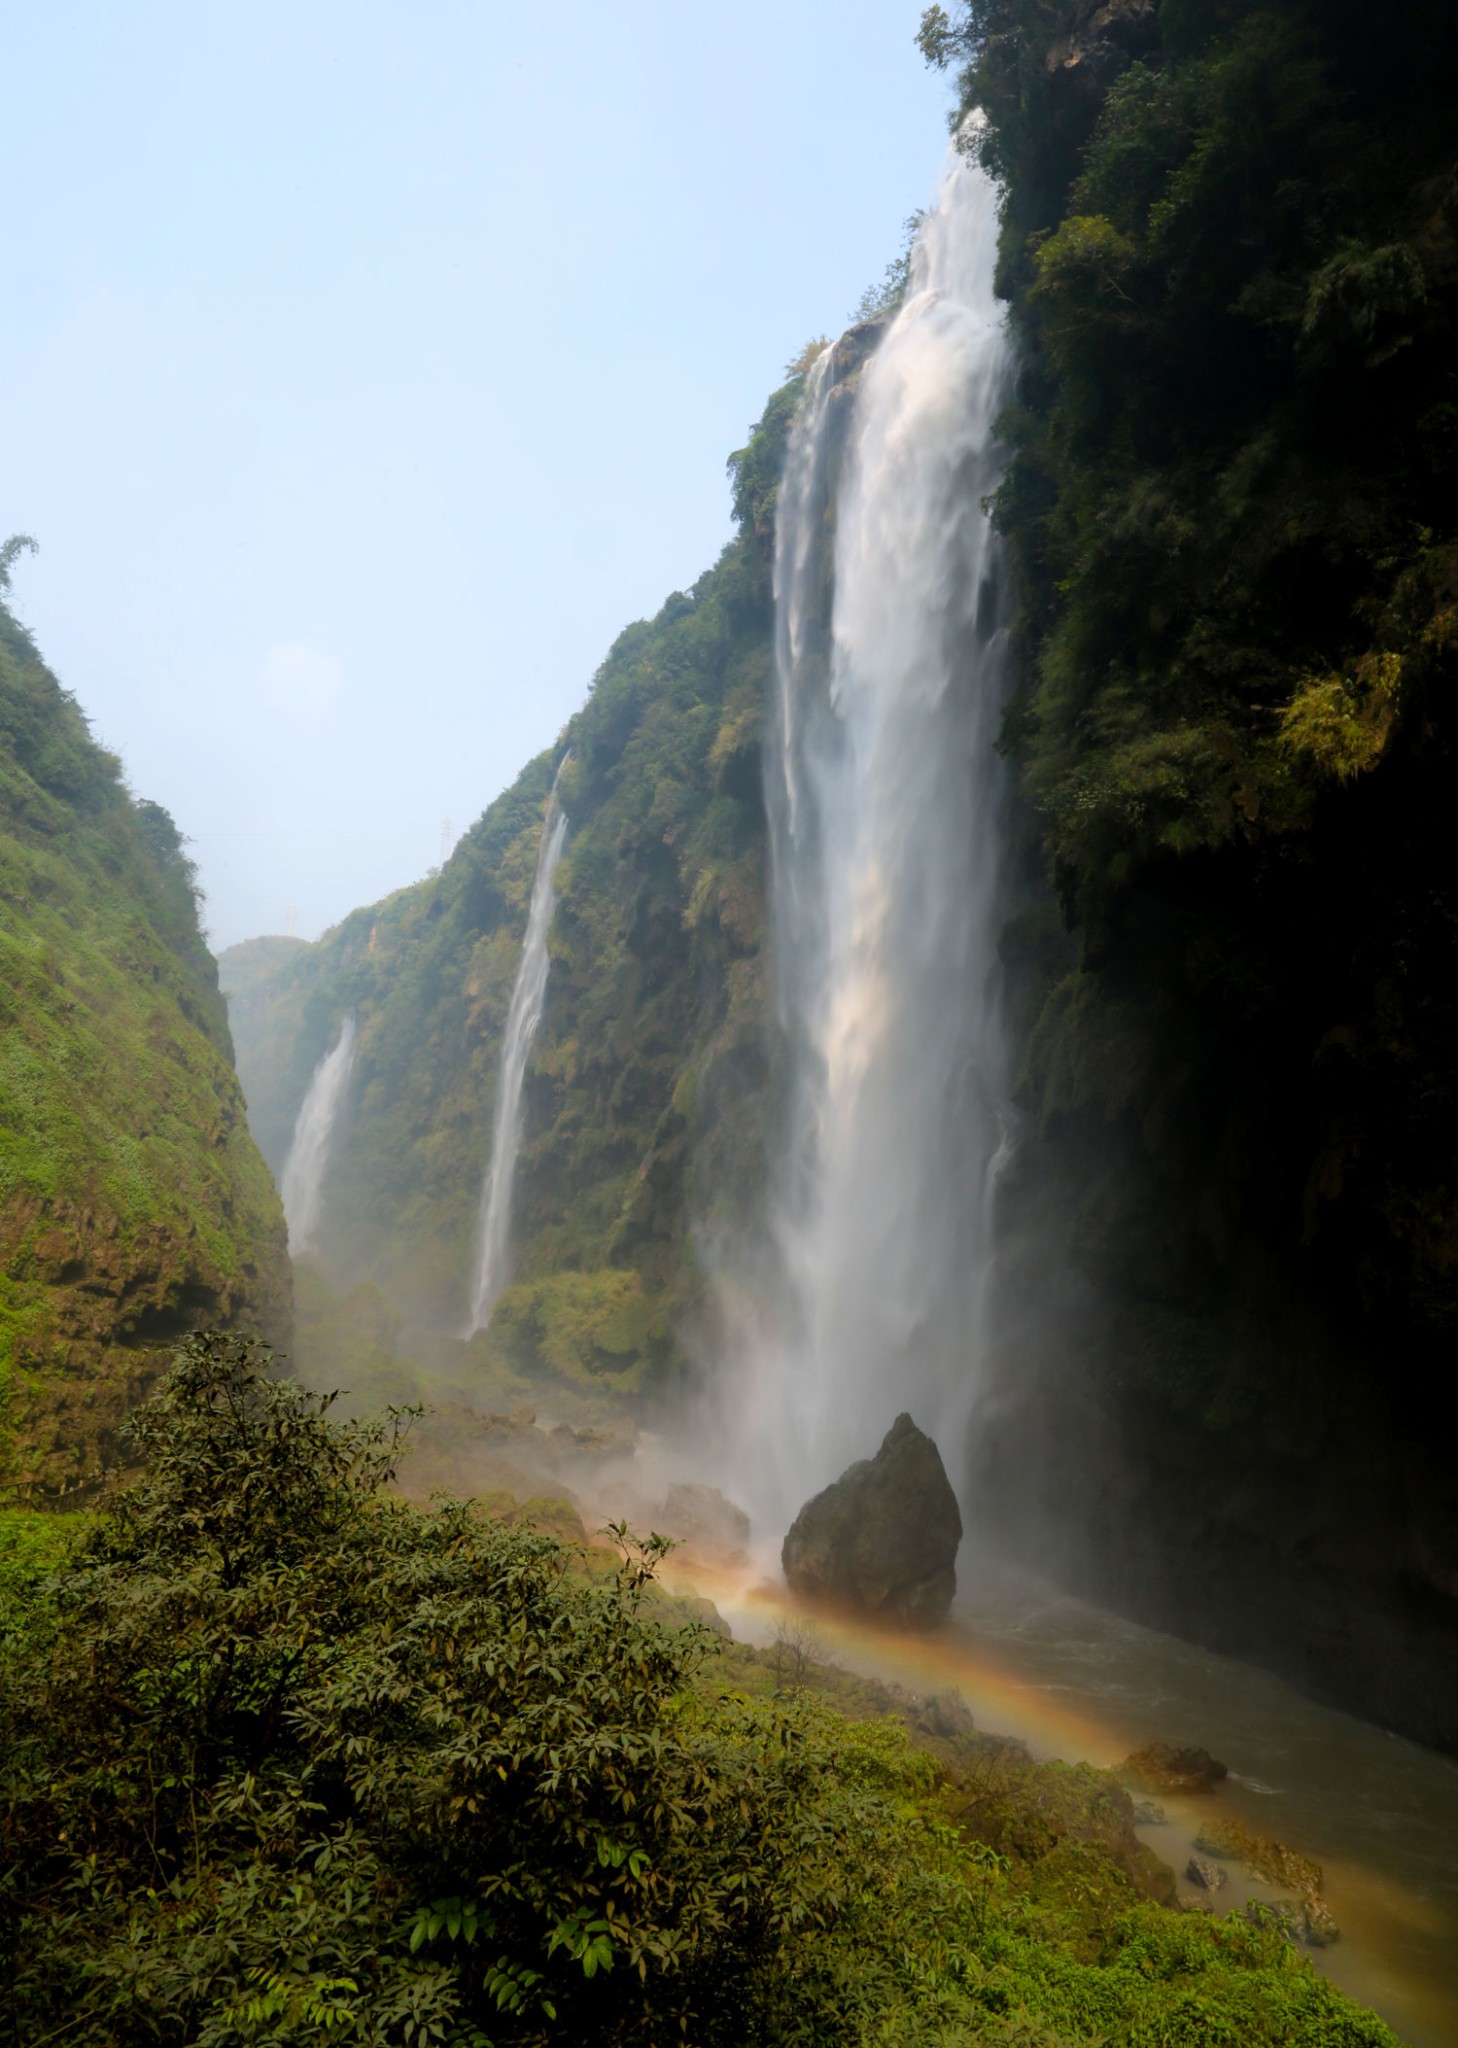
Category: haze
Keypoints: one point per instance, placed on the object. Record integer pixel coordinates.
(369, 367)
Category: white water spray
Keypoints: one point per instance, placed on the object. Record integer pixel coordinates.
(884, 792)
(302, 1186)
(522, 1018)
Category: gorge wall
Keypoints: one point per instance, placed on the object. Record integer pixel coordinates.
(134, 1206)
(1232, 509)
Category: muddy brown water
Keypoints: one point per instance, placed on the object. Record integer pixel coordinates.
(1377, 1812)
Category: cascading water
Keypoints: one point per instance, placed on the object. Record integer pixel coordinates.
(522, 1019)
(302, 1186)
(885, 798)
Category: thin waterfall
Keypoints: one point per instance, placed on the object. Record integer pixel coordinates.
(885, 796)
(522, 1019)
(302, 1185)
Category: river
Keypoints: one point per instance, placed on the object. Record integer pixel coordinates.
(1377, 1812)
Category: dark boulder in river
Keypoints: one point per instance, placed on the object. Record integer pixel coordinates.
(882, 1540)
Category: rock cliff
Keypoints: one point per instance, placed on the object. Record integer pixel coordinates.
(134, 1206)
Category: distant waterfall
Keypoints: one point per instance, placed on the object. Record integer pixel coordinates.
(304, 1169)
(522, 1019)
(884, 795)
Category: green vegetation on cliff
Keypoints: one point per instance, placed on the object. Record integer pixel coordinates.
(133, 1203)
(286, 1760)
(1231, 242)
(650, 1074)
(1231, 247)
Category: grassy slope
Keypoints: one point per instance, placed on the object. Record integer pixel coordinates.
(655, 1012)
(133, 1203)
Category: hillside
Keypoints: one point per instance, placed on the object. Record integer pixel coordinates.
(134, 1206)
(649, 1079)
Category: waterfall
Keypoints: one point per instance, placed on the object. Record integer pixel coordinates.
(302, 1186)
(885, 795)
(522, 1019)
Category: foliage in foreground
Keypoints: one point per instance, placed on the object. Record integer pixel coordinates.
(286, 1760)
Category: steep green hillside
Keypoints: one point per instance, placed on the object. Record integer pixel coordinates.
(650, 1075)
(133, 1204)
(1231, 245)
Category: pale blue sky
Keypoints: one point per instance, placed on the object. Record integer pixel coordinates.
(365, 368)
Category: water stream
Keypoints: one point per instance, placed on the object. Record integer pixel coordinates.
(885, 796)
(302, 1185)
(493, 1256)
(1379, 1814)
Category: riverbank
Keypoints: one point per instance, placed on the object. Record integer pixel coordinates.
(1378, 1813)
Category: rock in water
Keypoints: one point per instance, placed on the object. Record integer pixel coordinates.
(1205, 1872)
(1166, 1767)
(882, 1540)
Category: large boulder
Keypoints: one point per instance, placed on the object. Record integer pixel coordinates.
(882, 1540)
(707, 1524)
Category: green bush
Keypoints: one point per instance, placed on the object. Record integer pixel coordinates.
(285, 1760)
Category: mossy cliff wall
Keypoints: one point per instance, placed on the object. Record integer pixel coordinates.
(134, 1206)
(647, 1088)
(1231, 248)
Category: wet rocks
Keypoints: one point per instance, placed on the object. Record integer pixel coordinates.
(1306, 1918)
(490, 1427)
(1165, 1767)
(881, 1541)
(944, 1715)
(1262, 1856)
(1206, 1873)
(706, 1522)
(1300, 1920)
(563, 1441)
(1319, 1924)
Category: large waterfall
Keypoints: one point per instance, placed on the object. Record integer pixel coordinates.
(522, 1019)
(885, 798)
(313, 1140)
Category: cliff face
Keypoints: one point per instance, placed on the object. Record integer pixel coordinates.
(134, 1206)
(1232, 510)
(650, 1072)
